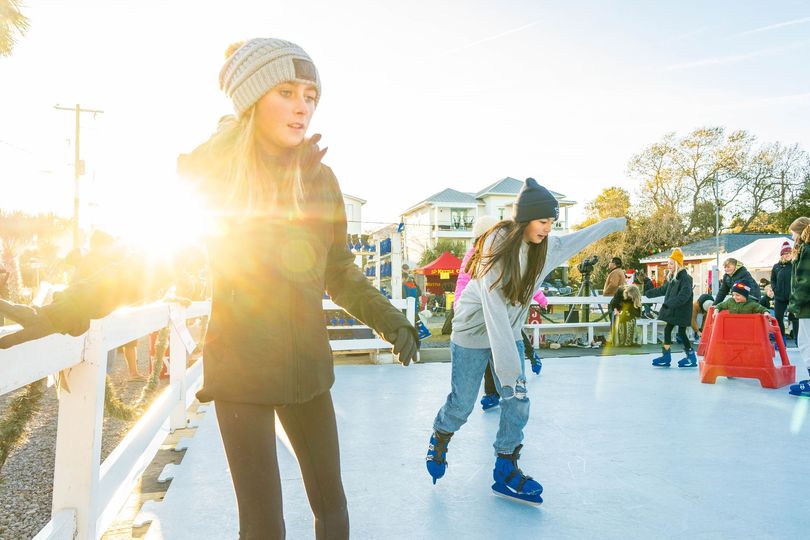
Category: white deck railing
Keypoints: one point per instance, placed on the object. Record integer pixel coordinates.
(87, 494)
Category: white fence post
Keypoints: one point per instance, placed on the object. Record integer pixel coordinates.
(78, 436)
(177, 366)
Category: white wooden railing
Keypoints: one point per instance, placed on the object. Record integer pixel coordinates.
(87, 495)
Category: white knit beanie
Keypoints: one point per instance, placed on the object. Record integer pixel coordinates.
(483, 224)
(259, 65)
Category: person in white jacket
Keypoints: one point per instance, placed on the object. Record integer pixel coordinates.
(508, 266)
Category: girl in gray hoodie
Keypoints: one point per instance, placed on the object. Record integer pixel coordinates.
(508, 265)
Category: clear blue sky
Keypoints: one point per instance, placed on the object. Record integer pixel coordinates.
(417, 96)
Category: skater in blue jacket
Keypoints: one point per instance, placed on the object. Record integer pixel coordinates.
(507, 267)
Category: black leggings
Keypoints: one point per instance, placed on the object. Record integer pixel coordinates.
(249, 436)
(681, 334)
(779, 309)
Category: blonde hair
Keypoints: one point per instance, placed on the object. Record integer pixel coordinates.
(631, 292)
(672, 275)
(801, 228)
(733, 261)
(252, 185)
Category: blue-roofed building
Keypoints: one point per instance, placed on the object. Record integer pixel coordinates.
(451, 214)
(699, 257)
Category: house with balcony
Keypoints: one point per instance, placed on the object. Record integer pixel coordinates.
(450, 214)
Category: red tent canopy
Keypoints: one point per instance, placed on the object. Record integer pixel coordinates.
(445, 263)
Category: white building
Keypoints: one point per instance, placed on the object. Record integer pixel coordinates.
(450, 214)
(354, 213)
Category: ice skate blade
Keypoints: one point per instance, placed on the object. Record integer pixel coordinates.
(535, 500)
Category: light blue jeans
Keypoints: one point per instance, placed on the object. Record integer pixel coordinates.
(467, 372)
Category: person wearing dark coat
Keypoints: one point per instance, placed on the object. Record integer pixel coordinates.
(734, 272)
(280, 243)
(780, 284)
(799, 303)
(676, 310)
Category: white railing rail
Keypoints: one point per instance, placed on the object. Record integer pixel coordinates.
(87, 494)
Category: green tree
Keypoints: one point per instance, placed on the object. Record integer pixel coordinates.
(456, 247)
(611, 202)
(12, 23)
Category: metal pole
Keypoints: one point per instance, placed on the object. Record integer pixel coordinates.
(77, 166)
(76, 174)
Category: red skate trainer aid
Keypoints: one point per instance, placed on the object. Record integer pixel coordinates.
(706, 335)
(739, 347)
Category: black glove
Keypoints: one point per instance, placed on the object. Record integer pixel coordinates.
(405, 343)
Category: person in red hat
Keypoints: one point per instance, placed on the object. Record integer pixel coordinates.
(780, 284)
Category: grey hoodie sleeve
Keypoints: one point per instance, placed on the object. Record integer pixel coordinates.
(505, 355)
(562, 248)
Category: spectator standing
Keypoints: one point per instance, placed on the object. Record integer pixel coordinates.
(800, 296)
(781, 277)
(676, 310)
(615, 277)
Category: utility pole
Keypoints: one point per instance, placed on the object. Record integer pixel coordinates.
(78, 166)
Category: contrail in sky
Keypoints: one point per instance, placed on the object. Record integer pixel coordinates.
(717, 60)
(492, 38)
(775, 26)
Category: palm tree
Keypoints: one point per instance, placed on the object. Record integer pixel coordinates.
(12, 22)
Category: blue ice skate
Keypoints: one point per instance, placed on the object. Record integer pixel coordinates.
(689, 361)
(490, 401)
(511, 483)
(664, 360)
(802, 388)
(436, 459)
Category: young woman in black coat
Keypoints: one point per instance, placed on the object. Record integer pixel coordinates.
(676, 310)
(279, 243)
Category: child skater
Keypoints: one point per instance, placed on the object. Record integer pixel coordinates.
(800, 296)
(507, 267)
(676, 310)
(626, 307)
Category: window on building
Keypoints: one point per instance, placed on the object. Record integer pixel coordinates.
(461, 219)
(349, 212)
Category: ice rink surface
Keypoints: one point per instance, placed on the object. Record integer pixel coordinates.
(623, 450)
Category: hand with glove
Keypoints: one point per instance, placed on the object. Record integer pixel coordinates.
(405, 343)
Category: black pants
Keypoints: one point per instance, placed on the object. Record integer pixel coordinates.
(779, 309)
(681, 334)
(249, 436)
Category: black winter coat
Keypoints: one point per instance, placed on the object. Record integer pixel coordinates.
(740, 274)
(800, 284)
(677, 293)
(267, 341)
(781, 277)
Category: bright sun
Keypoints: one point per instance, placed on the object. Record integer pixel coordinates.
(160, 220)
